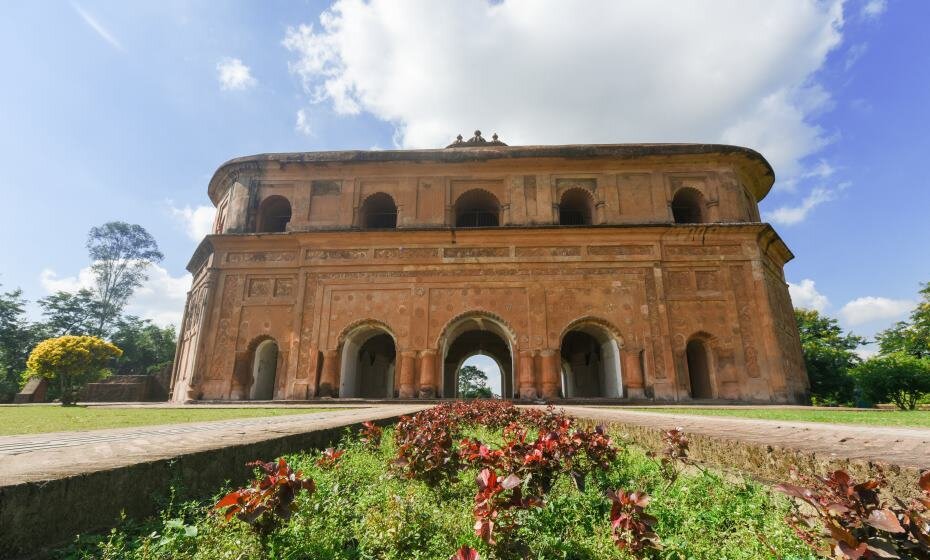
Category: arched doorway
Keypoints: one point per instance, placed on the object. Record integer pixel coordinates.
(477, 208)
(368, 364)
(590, 359)
(477, 335)
(688, 206)
(264, 371)
(378, 212)
(576, 208)
(698, 359)
(274, 214)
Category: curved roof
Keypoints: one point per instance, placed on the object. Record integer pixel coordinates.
(752, 160)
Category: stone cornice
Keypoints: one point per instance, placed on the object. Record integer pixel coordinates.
(748, 162)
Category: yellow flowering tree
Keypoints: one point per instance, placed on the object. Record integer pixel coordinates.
(72, 362)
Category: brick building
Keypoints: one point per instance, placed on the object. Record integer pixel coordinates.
(584, 271)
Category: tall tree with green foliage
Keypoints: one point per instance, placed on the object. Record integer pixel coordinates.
(829, 357)
(146, 347)
(121, 254)
(912, 336)
(473, 383)
(17, 337)
(70, 313)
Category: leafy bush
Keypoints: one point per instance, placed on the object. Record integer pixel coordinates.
(72, 362)
(899, 378)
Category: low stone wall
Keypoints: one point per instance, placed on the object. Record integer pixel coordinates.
(36, 515)
(766, 463)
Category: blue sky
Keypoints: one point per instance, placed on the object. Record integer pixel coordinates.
(118, 110)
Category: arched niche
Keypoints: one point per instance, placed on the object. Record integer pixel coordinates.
(477, 208)
(477, 334)
(576, 208)
(700, 363)
(264, 370)
(688, 206)
(590, 359)
(378, 211)
(368, 364)
(274, 213)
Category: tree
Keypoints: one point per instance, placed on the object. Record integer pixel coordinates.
(913, 336)
(72, 362)
(70, 313)
(473, 383)
(17, 336)
(829, 357)
(121, 253)
(146, 347)
(899, 378)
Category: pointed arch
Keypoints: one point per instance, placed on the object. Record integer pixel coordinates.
(274, 213)
(378, 211)
(689, 206)
(576, 207)
(589, 350)
(700, 365)
(477, 208)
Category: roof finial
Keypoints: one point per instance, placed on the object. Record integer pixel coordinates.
(475, 141)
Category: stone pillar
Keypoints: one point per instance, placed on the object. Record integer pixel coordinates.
(550, 374)
(428, 386)
(313, 370)
(407, 389)
(525, 377)
(633, 379)
(329, 380)
(600, 213)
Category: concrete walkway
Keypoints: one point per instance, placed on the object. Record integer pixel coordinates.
(893, 445)
(50, 456)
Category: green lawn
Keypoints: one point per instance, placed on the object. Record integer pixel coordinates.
(54, 418)
(912, 418)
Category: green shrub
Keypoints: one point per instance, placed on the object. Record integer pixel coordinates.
(899, 378)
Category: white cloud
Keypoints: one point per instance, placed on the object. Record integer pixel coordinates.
(790, 215)
(567, 72)
(98, 28)
(161, 298)
(234, 75)
(805, 295)
(303, 122)
(198, 222)
(854, 54)
(868, 309)
(874, 8)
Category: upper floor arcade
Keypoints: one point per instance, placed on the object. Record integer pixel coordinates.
(491, 185)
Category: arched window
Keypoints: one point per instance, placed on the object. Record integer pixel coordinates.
(378, 212)
(698, 358)
(274, 214)
(477, 208)
(688, 206)
(576, 208)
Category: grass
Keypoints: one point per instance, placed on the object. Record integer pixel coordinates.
(34, 419)
(911, 418)
(360, 510)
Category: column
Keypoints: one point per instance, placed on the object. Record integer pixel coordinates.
(329, 380)
(550, 374)
(633, 379)
(428, 384)
(527, 385)
(407, 389)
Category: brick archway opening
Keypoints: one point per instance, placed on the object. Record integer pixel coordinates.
(471, 336)
(369, 358)
(697, 354)
(590, 360)
(264, 370)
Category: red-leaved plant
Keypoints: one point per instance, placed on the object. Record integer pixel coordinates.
(855, 522)
(465, 553)
(632, 528)
(673, 454)
(493, 506)
(269, 501)
(370, 434)
(330, 458)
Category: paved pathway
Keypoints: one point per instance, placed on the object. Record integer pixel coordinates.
(895, 445)
(37, 457)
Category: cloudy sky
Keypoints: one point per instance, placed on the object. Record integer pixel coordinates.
(123, 110)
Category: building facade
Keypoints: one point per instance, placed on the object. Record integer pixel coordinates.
(585, 271)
